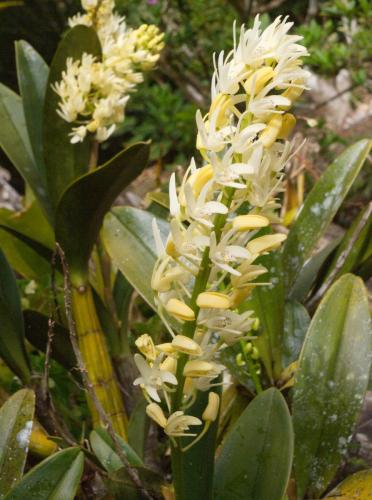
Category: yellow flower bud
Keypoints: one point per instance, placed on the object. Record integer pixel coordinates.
(223, 103)
(146, 346)
(269, 135)
(213, 300)
(197, 181)
(169, 365)
(186, 345)
(155, 412)
(292, 93)
(188, 387)
(289, 122)
(262, 76)
(211, 412)
(180, 310)
(170, 248)
(167, 348)
(196, 368)
(265, 243)
(248, 222)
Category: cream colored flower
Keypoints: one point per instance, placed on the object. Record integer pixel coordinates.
(152, 378)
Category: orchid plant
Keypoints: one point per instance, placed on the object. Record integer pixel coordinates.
(251, 367)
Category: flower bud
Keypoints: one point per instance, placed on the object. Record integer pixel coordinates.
(289, 122)
(146, 346)
(180, 310)
(270, 134)
(169, 365)
(258, 79)
(186, 345)
(265, 243)
(155, 412)
(211, 411)
(248, 222)
(196, 368)
(213, 300)
(167, 348)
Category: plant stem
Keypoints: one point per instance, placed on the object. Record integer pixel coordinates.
(93, 347)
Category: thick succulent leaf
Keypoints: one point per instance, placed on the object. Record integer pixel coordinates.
(104, 450)
(296, 323)
(16, 144)
(36, 330)
(85, 202)
(56, 478)
(319, 208)
(355, 487)
(16, 417)
(256, 457)
(12, 341)
(64, 161)
(128, 238)
(32, 72)
(330, 383)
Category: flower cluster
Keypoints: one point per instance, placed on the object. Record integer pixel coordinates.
(221, 215)
(93, 93)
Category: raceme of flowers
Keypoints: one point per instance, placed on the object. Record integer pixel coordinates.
(93, 93)
(220, 223)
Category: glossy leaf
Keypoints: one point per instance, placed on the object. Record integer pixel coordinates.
(296, 323)
(12, 341)
(64, 161)
(256, 457)
(330, 383)
(104, 450)
(16, 416)
(127, 235)
(16, 144)
(85, 202)
(36, 330)
(32, 72)
(355, 487)
(320, 207)
(56, 478)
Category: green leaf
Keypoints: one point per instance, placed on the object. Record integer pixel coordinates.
(85, 202)
(16, 144)
(36, 330)
(330, 384)
(357, 242)
(65, 161)
(138, 427)
(22, 257)
(128, 238)
(56, 478)
(104, 450)
(319, 208)
(268, 303)
(296, 323)
(12, 341)
(256, 458)
(310, 271)
(32, 72)
(16, 416)
(193, 469)
(29, 222)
